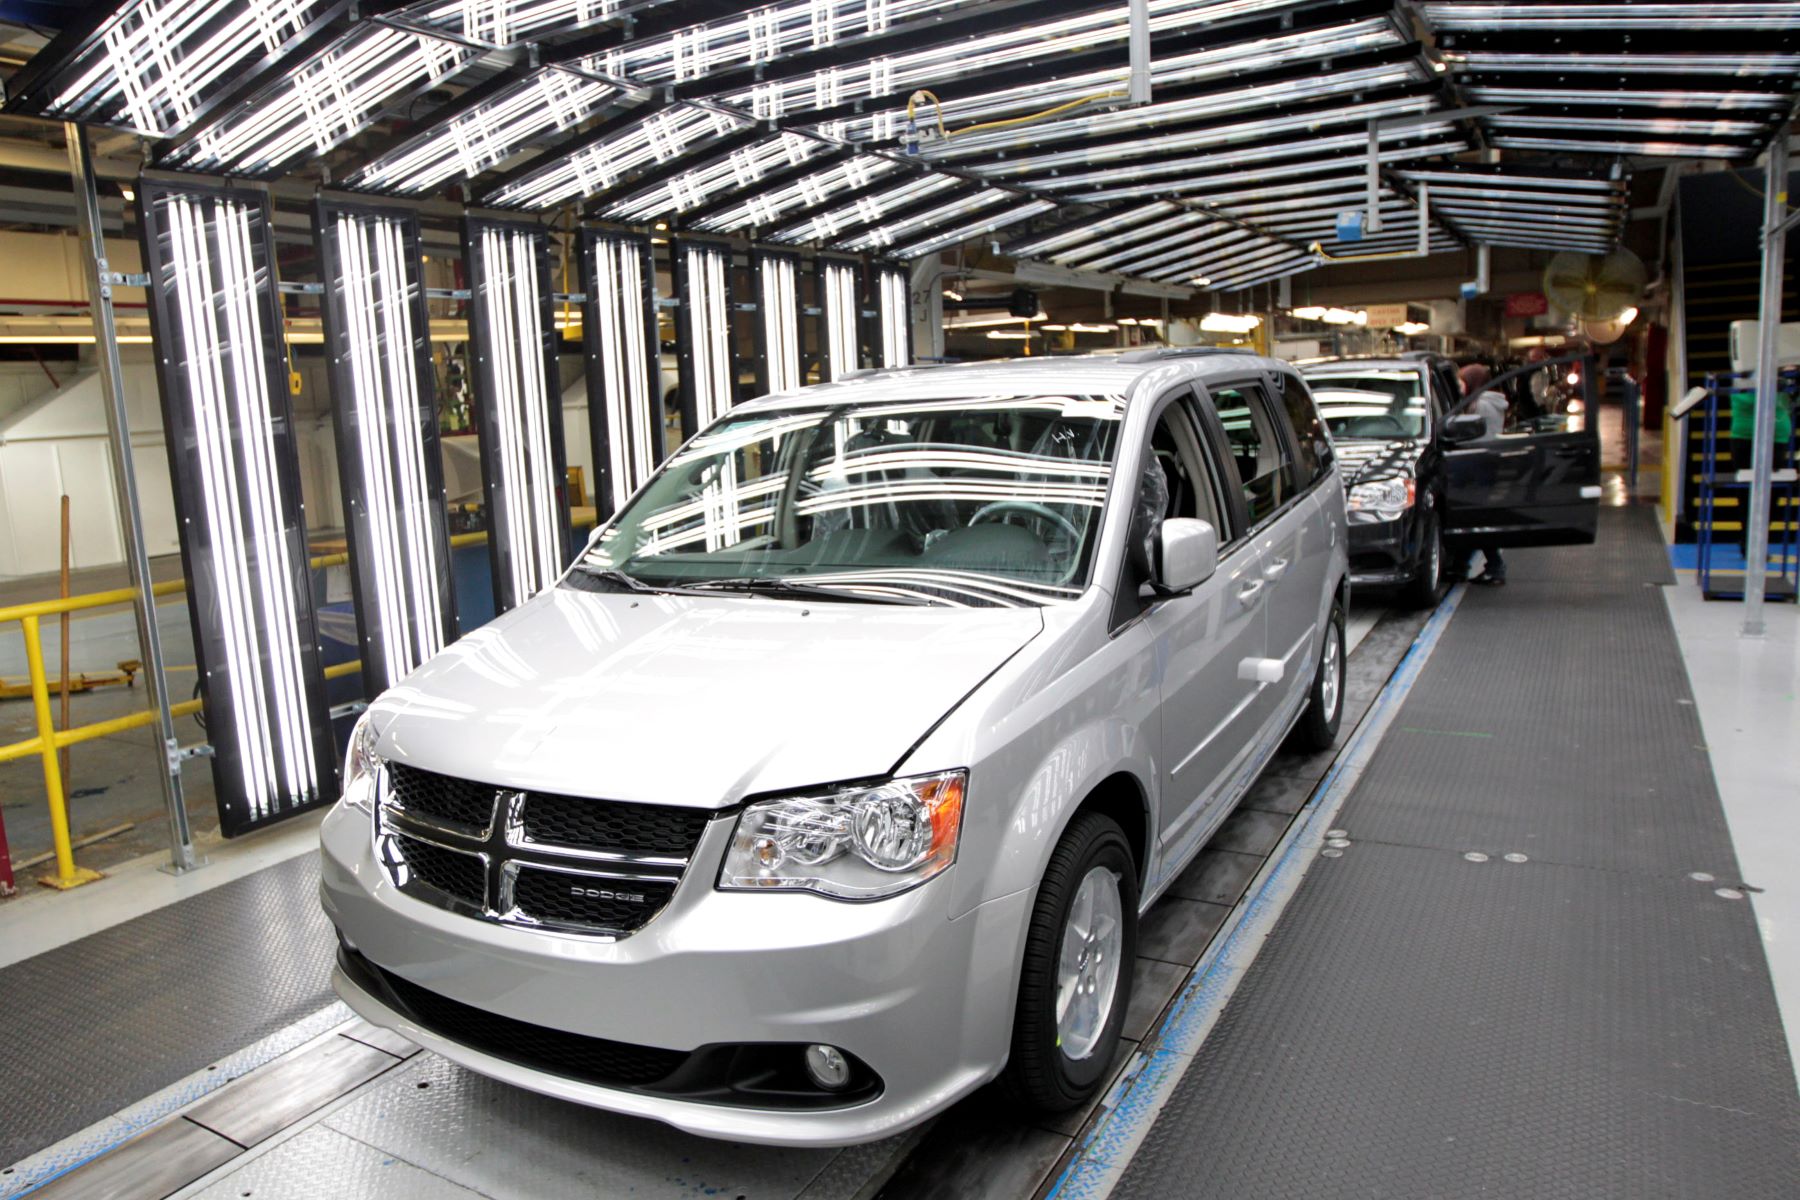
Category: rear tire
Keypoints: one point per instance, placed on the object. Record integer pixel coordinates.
(1428, 581)
(1075, 983)
(1318, 727)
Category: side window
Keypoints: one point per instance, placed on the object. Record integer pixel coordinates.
(1257, 449)
(1192, 492)
(1311, 439)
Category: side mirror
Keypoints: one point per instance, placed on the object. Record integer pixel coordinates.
(1465, 427)
(1189, 551)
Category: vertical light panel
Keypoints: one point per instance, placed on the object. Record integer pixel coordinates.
(777, 320)
(519, 426)
(840, 302)
(893, 315)
(703, 333)
(384, 408)
(216, 321)
(624, 363)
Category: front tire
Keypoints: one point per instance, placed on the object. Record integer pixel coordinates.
(1076, 979)
(1428, 580)
(1318, 727)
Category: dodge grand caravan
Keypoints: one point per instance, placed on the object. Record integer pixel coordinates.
(831, 780)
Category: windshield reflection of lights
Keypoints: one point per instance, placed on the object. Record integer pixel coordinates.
(874, 472)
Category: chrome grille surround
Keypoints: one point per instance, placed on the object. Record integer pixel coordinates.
(621, 890)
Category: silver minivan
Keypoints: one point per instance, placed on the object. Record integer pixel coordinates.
(831, 780)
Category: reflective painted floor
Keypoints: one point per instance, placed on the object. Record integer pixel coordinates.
(1748, 694)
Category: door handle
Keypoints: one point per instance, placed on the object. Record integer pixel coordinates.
(1248, 593)
(1275, 569)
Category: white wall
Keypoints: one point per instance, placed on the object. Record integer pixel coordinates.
(56, 444)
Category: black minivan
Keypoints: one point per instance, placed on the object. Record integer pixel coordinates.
(1423, 479)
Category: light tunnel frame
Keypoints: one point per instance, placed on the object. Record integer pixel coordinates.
(530, 541)
(216, 320)
(626, 414)
(780, 328)
(384, 415)
(841, 284)
(705, 349)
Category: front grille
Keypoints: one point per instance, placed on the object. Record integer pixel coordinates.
(559, 898)
(462, 877)
(533, 858)
(441, 799)
(612, 827)
(596, 1060)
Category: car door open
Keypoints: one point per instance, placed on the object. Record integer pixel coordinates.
(1523, 487)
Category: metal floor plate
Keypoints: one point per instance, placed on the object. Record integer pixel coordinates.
(490, 1138)
(1590, 1022)
(104, 1021)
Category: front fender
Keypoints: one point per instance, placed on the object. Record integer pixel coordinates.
(1038, 739)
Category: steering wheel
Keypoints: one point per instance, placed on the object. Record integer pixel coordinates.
(1031, 509)
(1361, 427)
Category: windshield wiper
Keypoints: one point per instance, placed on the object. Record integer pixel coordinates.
(800, 590)
(620, 581)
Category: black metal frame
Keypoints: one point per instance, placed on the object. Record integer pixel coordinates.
(600, 428)
(684, 327)
(487, 426)
(765, 352)
(877, 312)
(28, 91)
(346, 420)
(824, 317)
(222, 690)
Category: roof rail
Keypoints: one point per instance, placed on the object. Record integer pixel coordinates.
(1159, 353)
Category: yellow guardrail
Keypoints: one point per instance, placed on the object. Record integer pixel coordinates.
(50, 739)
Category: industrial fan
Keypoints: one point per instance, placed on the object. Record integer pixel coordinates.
(1595, 287)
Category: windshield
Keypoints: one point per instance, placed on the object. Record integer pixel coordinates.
(1371, 404)
(991, 501)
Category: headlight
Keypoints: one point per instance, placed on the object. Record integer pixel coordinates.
(1386, 498)
(857, 843)
(360, 765)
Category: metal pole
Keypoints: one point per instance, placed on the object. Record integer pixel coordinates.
(1373, 223)
(131, 523)
(1774, 239)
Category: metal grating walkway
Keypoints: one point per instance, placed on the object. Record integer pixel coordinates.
(1591, 1021)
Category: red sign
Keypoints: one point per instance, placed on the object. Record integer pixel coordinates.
(1527, 304)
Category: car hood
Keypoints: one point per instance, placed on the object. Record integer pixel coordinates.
(696, 701)
(1372, 458)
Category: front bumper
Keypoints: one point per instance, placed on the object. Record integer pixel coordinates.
(1384, 553)
(925, 1001)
